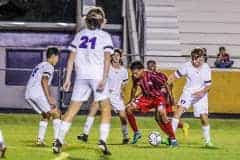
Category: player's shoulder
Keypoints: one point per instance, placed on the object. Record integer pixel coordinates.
(47, 65)
(206, 66)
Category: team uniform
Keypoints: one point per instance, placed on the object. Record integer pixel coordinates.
(197, 79)
(152, 96)
(34, 94)
(117, 76)
(90, 46)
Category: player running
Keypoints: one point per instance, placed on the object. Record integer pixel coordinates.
(195, 92)
(91, 52)
(118, 76)
(3, 147)
(39, 96)
(154, 93)
(151, 66)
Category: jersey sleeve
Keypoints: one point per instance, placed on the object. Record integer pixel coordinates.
(181, 71)
(207, 76)
(108, 44)
(73, 45)
(48, 71)
(125, 75)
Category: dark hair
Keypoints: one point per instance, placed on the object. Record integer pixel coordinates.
(151, 61)
(120, 53)
(95, 17)
(136, 65)
(222, 48)
(196, 53)
(52, 51)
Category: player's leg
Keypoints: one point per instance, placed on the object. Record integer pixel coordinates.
(201, 110)
(81, 92)
(165, 124)
(3, 147)
(89, 122)
(124, 127)
(42, 129)
(56, 120)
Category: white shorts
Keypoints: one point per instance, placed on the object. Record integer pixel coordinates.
(200, 106)
(117, 103)
(39, 104)
(84, 87)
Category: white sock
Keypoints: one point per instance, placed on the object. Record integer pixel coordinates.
(1, 137)
(206, 133)
(175, 122)
(63, 129)
(56, 125)
(88, 125)
(125, 131)
(104, 131)
(42, 129)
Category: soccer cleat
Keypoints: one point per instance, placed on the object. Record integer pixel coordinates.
(173, 143)
(136, 137)
(125, 141)
(83, 137)
(185, 129)
(209, 144)
(103, 146)
(40, 142)
(3, 149)
(57, 146)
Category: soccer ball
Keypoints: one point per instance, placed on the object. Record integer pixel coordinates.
(154, 138)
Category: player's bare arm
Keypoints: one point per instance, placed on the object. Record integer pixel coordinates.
(171, 78)
(202, 92)
(47, 91)
(67, 83)
(107, 63)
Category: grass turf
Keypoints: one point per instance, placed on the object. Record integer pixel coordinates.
(20, 132)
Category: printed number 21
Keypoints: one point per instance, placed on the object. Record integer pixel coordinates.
(85, 42)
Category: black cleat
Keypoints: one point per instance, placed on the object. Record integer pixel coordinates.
(103, 146)
(83, 137)
(125, 141)
(57, 146)
(3, 149)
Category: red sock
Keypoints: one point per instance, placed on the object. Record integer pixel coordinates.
(180, 124)
(132, 121)
(169, 130)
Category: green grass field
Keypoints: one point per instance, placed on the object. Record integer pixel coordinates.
(20, 132)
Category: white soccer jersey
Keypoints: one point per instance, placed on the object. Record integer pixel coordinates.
(90, 46)
(197, 78)
(115, 79)
(34, 87)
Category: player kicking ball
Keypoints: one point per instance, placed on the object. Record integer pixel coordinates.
(154, 91)
(3, 147)
(118, 76)
(39, 96)
(91, 52)
(195, 92)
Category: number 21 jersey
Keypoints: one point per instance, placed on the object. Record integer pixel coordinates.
(89, 46)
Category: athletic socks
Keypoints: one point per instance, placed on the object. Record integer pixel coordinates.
(206, 133)
(175, 122)
(63, 130)
(88, 125)
(42, 130)
(124, 131)
(56, 125)
(132, 121)
(104, 131)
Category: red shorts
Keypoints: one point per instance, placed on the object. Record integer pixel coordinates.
(144, 104)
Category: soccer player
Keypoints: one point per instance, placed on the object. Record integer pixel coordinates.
(118, 77)
(39, 96)
(91, 52)
(154, 90)
(195, 92)
(3, 147)
(151, 66)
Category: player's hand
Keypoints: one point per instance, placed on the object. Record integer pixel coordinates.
(52, 101)
(101, 85)
(66, 85)
(198, 94)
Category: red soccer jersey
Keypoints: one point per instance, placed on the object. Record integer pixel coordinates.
(151, 83)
